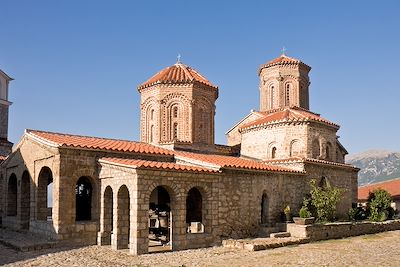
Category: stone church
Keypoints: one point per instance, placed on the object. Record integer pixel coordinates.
(176, 188)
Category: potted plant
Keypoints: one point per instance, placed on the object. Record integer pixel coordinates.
(305, 217)
(288, 214)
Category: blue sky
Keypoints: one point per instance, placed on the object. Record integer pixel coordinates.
(77, 64)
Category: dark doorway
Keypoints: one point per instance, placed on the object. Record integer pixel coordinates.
(83, 192)
(12, 196)
(160, 219)
(264, 209)
(44, 195)
(194, 204)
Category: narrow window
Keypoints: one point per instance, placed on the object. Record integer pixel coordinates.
(272, 98)
(175, 112)
(152, 114)
(287, 94)
(273, 152)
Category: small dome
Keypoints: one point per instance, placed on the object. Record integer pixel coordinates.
(177, 74)
(282, 60)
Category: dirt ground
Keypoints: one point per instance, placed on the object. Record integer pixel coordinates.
(369, 250)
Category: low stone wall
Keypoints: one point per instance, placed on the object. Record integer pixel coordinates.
(341, 229)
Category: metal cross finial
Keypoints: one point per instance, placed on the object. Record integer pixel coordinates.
(283, 51)
(178, 58)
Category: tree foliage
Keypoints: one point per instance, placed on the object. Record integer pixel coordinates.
(379, 208)
(325, 200)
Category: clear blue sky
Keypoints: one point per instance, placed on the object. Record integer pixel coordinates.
(76, 64)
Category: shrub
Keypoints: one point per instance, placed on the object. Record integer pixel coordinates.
(379, 208)
(325, 200)
(357, 214)
(304, 212)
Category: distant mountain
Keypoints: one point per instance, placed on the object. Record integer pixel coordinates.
(376, 165)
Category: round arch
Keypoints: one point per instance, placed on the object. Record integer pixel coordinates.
(12, 199)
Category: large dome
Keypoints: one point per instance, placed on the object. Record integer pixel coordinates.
(177, 74)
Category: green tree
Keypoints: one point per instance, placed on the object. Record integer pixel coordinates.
(378, 205)
(325, 200)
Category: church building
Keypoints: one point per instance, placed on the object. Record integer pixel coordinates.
(176, 188)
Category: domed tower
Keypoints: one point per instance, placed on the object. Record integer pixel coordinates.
(178, 108)
(284, 82)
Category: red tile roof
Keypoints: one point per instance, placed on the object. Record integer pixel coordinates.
(145, 164)
(392, 186)
(177, 73)
(283, 59)
(96, 143)
(220, 161)
(293, 114)
(299, 159)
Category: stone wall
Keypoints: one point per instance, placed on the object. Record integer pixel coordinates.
(339, 230)
(259, 142)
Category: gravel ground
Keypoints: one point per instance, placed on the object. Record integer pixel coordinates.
(369, 250)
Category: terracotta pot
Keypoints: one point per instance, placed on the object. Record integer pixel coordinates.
(303, 221)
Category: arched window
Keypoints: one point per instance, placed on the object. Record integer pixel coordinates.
(328, 150)
(44, 204)
(123, 218)
(272, 90)
(108, 222)
(323, 183)
(12, 196)
(194, 205)
(194, 213)
(152, 114)
(273, 152)
(315, 149)
(83, 193)
(175, 131)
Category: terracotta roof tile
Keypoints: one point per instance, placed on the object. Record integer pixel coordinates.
(392, 186)
(96, 143)
(281, 60)
(177, 73)
(137, 163)
(287, 115)
(220, 161)
(299, 159)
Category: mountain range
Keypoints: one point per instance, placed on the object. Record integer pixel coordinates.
(375, 165)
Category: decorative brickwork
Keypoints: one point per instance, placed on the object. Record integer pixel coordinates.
(139, 195)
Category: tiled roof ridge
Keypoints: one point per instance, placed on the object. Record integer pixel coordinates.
(281, 60)
(168, 76)
(304, 159)
(84, 136)
(139, 163)
(99, 143)
(231, 162)
(286, 118)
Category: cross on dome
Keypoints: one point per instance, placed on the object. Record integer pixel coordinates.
(283, 50)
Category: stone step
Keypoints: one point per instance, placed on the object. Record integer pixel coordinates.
(279, 235)
(266, 231)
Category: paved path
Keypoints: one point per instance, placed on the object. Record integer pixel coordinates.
(370, 250)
